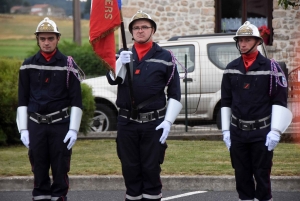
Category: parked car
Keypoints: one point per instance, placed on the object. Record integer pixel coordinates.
(205, 58)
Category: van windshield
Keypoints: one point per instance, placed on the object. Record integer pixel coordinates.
(220, 54)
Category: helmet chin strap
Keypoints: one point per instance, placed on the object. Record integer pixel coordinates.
(238, 47)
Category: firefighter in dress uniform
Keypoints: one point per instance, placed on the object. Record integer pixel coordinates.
(254, 114)
(48, 85)
(144, 121)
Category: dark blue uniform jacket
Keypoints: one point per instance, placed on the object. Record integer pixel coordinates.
(247, 93)
(150, 76)
(43, 85)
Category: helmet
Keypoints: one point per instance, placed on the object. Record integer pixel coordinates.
(47, 25)
(248, 29)
(140, 15)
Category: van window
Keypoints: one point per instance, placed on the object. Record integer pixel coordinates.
(220, 54)
(180, 52)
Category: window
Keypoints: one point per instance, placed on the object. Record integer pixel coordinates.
(220, 54)
(180, 52)
(231, 14)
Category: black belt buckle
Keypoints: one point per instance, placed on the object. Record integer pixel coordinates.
(145, 117)
(245, 126)
(44, 119)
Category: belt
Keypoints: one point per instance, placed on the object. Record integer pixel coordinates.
(143, 117)
(251, 125)
(49, 118)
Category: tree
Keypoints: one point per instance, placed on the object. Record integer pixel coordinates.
(5, 5)
(26, 4)
(87, 7)
(286, 3)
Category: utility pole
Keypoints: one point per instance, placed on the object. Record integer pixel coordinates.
(76, 22)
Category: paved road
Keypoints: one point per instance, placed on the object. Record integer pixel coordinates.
(118, 195)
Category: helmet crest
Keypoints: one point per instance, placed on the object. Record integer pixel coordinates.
(248, 29)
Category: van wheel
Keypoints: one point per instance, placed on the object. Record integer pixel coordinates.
(104, 119)
(218, 120)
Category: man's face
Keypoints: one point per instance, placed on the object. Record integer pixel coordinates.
(142, 31)
(47, 41)
(247, 42)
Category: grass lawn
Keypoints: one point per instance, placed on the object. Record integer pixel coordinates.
(16, 48)
(98, 157)
(24, 26)
(20, 48)
(17, 33)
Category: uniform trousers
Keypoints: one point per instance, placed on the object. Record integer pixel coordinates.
(47, 149)
(141, 155)
(252, 159)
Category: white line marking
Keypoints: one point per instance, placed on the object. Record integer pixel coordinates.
(183, 195)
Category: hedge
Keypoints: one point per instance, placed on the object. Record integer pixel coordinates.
(9, 69)
(84, 57)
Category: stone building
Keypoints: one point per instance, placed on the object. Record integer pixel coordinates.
(190, 17)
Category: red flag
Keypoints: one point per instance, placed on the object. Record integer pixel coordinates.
(105, 18)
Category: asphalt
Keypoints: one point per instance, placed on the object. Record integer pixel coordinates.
(170, 182)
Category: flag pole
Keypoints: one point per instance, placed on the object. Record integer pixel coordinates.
(123, 32)
(129, 73)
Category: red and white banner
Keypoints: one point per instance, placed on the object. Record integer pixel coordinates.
(105, 18)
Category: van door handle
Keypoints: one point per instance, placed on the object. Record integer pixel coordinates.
(187, 80)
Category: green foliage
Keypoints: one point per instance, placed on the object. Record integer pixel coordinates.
(286, 3)
(9, 68)
(84, 56)
(26, 4)
(88, 102)
(3, 137)
(87, 7)
(6, 5)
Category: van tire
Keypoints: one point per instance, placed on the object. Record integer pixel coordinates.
(218, 120)
(104, 119)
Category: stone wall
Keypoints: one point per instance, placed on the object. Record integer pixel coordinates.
(286, 39)
(174, 17)
(188, 17)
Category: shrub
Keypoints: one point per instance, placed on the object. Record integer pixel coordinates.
(9, 68)
(83, 55)
(3, 137)
(88, 102)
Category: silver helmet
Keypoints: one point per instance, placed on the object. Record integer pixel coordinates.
(141, 15)
(248, 29)
(47, 25)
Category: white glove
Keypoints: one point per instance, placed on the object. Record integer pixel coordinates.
(125, 57)
(25, 137)
(72, 135)
(273, 139)
(226, 139)
(166, 125)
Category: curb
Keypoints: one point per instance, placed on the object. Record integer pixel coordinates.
(193, 134)
(116, 182)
